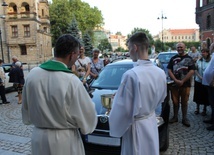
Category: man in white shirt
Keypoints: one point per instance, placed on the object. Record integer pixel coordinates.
(141, 91)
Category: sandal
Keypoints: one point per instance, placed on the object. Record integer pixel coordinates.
(196, 112)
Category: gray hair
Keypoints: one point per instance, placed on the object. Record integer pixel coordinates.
(18, 63)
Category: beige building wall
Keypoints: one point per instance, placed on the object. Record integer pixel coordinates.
(177, 35)
(32, 39)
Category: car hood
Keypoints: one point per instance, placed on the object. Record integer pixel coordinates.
(164, 67)
(96, 98)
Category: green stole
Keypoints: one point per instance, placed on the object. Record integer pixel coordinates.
(54, 66)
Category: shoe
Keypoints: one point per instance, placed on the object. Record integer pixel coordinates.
(196, 112)
(186, 122)
(203, 113)
(208, 121)
(211, 128)
(19, 102)
(6, 102)
(173, 120)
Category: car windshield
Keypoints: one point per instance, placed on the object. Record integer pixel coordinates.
(110, 77)
(164, 58)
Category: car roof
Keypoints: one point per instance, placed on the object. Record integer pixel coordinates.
(122, 62)
(173, 52)
(7, 64)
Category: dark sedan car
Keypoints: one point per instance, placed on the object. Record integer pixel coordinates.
(163, 59)
(99, 142)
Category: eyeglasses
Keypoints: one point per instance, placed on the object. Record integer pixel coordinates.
(179, 47)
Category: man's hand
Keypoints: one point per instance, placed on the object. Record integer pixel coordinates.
(179, 83)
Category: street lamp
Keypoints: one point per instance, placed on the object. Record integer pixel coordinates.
(4, 4)
(162, 18)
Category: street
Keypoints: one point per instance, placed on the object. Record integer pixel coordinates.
(195, 140)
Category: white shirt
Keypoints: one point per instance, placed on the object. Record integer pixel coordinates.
(132, 117)
(208, 76)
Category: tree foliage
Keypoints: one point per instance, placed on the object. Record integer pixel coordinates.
(105, 45)
(63, 11)
(142, 30)
(87, 44)
(73, 29)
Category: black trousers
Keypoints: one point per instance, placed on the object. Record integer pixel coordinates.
(211, 101)
(2, 94)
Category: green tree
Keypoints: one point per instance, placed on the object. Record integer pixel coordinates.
(88, 44)
(73, 29)
(119, 33)
(63, 11)
(105, 45)
(120, 49)
(59, 18)
(145, 31)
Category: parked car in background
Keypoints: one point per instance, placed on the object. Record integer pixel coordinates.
(8, 85)
(7, 67)
(162, 61)
(100, 142)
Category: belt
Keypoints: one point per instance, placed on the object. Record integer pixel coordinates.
(137, 118)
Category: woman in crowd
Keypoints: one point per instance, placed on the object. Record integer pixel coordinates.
(82, 66)
(106, 60)
(96, 64)
(200, 91)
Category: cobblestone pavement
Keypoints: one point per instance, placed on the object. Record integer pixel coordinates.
(195, 140)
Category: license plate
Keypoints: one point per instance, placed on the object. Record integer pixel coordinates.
(111, 141)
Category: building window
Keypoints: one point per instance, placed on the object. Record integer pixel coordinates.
(27, 30)
(14, 31)
(43, 13)
(208, 22)
(27, 8)
(45, 29)
(23, 49)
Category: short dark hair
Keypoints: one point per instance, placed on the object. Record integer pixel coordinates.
(140, 39)
(65, 44)
(1, 61)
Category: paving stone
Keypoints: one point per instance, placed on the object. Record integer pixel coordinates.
(15, 137)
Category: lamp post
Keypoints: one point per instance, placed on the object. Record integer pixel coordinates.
(2, 52)
(4, 4)
(162, 18)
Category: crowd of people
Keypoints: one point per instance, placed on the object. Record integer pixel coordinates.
(58, 105)
(196, 66)
(16, 76)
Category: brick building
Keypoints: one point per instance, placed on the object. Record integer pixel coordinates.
(26, 30)
(205, 20)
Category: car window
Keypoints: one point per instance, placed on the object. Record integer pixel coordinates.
(165, 58)
(7, 69)
(110, 77)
